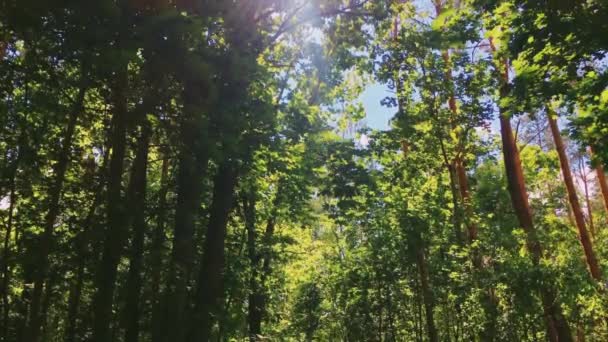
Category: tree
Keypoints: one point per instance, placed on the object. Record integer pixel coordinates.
(200, 170)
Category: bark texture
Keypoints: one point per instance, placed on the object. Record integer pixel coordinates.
(577, 211)
(556, 324)
(427, 295)
(136, 203)
(601, 179)
(211, 276)
(192, 169)
(115, 234)
(44, 246)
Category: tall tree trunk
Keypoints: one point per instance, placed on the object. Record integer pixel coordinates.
(266, 262)
(257, 283)
(490, 303)
(254, 311)
(6, 244)
(74, 297)
(81, 245)
(580, 333)
(192, 168)
(463, 186)
(137, 198)
(427, 294)
(585, 178)
(74, 301)
(457, 166)
(115, 234)
(601, 179)
(461, 174)
(558, 329)
(211, 276)
(6, 255)
(47, 333)
(457, 213)
(158, 241)
(44, 245)
(577, 211)
(418, 317)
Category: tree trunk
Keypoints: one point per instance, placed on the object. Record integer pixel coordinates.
(115, 234)
(577, 211)
(458, 166)
(427, 294)
(192, 168)
(254, 310)
(585, 178)
(490, 303)
(74, 302)
(5, 258)
(257, 284)
(601, 179)
(580, 333)
(158, 241)
(136, 203)
(81, 245)
(457, 213)
(47, 333)
(557, 327)
(210, 281)
(266, 262)
(6, 245)
(463, 186)
(44, 245)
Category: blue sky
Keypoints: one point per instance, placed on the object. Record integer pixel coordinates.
(377, 116)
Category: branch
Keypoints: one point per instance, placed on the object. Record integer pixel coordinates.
(538, 133)
(284, 27)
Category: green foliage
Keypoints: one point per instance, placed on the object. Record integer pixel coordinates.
(321, 229)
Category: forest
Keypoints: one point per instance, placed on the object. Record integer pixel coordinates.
(213, 170)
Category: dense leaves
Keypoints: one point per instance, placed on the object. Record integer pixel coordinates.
(198, 170)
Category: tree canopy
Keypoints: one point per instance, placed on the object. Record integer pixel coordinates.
(197, 170)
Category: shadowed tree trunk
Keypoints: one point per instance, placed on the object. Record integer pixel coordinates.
(43, 248)
(261, 297)
(260, 262)
(81, 244)
(254, 310)
(116, 231)
(136, 203)
(6, 255)
(6, 244)
(577, 211)
(158, 241)
(427, 294)
(192, 168)
(210, 280)
(558, 329)
(75, 295)
(5, 262)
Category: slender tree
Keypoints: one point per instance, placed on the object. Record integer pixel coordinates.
(579, 217)
(44, 248)
(601, 180)
(115, 235)
(557, 326)
(136, 203)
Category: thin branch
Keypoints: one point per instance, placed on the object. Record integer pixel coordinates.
(284, 27)
(538, 133)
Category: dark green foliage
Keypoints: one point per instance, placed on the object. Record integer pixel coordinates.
(198, 170)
